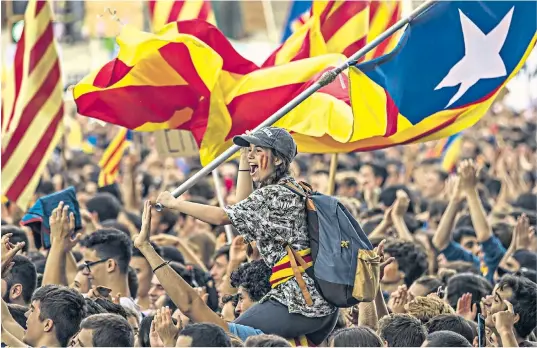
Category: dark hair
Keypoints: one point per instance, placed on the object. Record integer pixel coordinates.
(253, 277)
(64, 306)
(18, 313)
(169, 253)
(412, 259)
(463, 232)
(109, 224)
(446, 339)
(93, 308)
(109, 330)
(266, 341)
(524, 301)
(135, 219)
(360, 336)
(451, 322)
(430, 283)
(169, 218)
(370, 225)
(18, 235)
(206, 335)
(388, 196)
(462, 267)
(23, 272)
(280, 171)
(464, 220)
(402, 330)
(145, 330)
(111, 307)
(379, 171)
(138, 253)
(132, 280)
(437, 207)
(113, 244)
(463, 283)
(526, 259)
(106, 205)
(222, 251)
(504, 232)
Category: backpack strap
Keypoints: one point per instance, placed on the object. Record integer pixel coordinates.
(293, 258)
(295, 189)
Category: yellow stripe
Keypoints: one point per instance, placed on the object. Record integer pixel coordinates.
(190, 10)
(27, 195)
(8, 98)
(112, 164)
(211, 18)
(120, 137)
(354, 29)
(379, 23)
(291, 46)
(161, 13)
(31, 137)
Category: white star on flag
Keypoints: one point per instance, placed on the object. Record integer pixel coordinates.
(481, 59)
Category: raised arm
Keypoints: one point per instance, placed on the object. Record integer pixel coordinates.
(182, 294)
(206, 213)
(245, 185)
(442, 236)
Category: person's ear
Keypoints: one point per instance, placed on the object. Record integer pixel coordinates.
(111, 265)
(386, 343)
(517, 318)
(277, 161)
(49, 325)
(15, 292)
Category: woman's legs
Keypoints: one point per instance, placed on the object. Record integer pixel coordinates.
(272, 317)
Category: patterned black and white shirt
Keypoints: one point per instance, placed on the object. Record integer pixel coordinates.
(272, 216)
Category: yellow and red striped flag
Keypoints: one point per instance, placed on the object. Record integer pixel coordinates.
(111, 158)
(175, 80)
(163, 12)
(382, 15)
(32, 106)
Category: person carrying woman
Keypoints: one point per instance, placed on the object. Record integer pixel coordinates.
(275, 218)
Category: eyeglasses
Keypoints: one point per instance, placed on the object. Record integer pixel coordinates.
(88, 265)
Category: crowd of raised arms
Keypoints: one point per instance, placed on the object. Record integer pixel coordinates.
(457, 248)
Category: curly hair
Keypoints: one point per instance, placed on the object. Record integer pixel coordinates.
(411, 258)
(253, 277)
(426, 308)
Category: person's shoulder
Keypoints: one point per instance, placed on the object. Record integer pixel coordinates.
(243, 331)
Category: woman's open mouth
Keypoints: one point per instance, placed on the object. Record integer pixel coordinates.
(253, 169)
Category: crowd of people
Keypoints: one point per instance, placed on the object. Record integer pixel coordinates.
(457, 247)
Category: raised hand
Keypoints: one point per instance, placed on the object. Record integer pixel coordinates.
(62, 224)
(383, 261)
(166, 200)
(505, 320)
(9, 250)
(142, 239)
(237, 251)
(165, 328)
(465, 308)
(401, 204)
(467, 172)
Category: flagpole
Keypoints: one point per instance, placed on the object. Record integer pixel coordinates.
(324, 80)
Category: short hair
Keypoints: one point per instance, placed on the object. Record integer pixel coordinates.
(222, 251)
(145, 330)
(437, 207)
(109, 330)
(411, 258)
(169, 253)
(401, 330)
(446, 339)
(465, 220)
(379, 171)
(169, 218)
(113, 244)
(206, 335)
(132, 279)
(116, 225)
(463, 231)
(18, 313)
(18, 235)
(360, 336)
(451, 322)
(106, 205)
(23, 272)
(389, 194)
(266, 341)
(524, 301)
(93, 307)
(253, 277)
(463, 283)
(111, 307)
(64, 306)
(504, 232)
(426, 308)
(430, 283)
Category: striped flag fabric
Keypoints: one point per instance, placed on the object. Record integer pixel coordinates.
(449, 151)
(382, 15)
(203, 85)
(163, 12)
(335, 26)
(299, 13)
(32, 106)
(112, 155)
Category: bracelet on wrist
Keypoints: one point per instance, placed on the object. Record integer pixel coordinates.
(244, 170)
(161, 265)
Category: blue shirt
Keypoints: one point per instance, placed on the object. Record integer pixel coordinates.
(243, 331)
(493, 251)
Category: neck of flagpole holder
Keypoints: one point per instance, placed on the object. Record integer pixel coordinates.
(324, 80)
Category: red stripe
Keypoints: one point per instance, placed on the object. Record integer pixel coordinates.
(31, 110)
(326, 11)
(272, 282)
(40, 47)
(39, 6)
(175, 11)
(297, 342)
(18, 71)
(341, 16)
(392, 113)
(205, 10)
(35, 159)
(287, 265)
(151, 7)
(373, 7)
(354, 47)
(304, 51)
(380, 50)
(111, 73)
(114, 152)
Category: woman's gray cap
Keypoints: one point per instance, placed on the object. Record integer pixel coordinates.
(270, 137)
